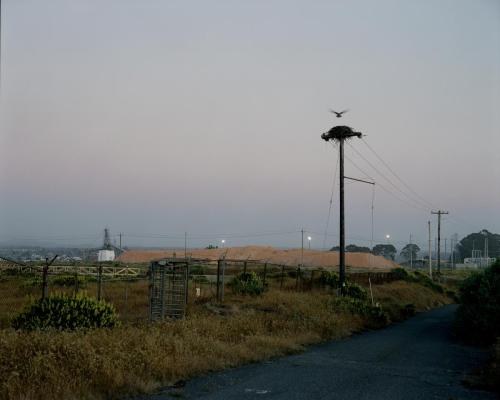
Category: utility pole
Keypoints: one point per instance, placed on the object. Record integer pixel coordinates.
(439, 213)
(453, 244)
(120, 240)
(302, 249)
(411, 254)
(430, 250)
(445, 250)
(185, 244)
(340, 134)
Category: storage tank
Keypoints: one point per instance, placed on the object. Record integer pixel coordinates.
(105, 255)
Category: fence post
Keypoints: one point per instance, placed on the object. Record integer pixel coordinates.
(45, 272)
(244, 267)
(99, 283)
(76, 280)
(187, 281)
(217, 295)
(297, 279)
(264, 277)
(222, 281)
(282, 276)
(371, 293)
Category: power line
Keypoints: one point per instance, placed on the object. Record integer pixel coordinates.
(428, 204)
(419, 203)
(385, 189)
(331, 202)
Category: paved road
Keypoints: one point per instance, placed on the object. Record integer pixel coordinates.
(417, 359)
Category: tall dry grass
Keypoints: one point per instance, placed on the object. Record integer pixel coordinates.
(138, 358)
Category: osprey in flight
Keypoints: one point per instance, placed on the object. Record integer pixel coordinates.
(338, 114)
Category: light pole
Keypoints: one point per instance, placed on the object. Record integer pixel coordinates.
(223, 241)
(387, 237)
(309, 238)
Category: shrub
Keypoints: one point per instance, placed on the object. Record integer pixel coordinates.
(424, 280)
(378, 317)
(329, 278)
(477, 317)
(355, 291)
(68, 280)
(247, 283)
(64, 312)
(408, 311)
(400, 274)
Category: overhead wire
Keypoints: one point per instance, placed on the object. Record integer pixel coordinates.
(413, 200)
(331, 202)
(383, 187)
(424, 201)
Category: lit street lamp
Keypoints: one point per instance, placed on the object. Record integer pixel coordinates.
(387, 238)
(309, 238)
(223, 241)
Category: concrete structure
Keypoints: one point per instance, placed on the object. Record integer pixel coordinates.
(105, 255)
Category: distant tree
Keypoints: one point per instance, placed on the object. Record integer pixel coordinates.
(410, 251)
(476, 241)
(352, 248)
(385, 250)
(211, 247)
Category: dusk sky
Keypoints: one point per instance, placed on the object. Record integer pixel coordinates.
(156, 118)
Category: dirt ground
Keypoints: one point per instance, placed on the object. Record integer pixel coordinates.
(312, 258)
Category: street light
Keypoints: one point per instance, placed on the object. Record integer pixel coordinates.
(309, 238)
(387, 238)
(223, 241)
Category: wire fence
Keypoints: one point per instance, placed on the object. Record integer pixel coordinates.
(127, 288)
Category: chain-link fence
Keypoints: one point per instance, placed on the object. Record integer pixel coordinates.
(127, 287)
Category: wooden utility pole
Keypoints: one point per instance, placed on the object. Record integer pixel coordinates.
(439, 213)
(411, 253)
(340, 134)
(430, 250)
(185, 244)
(302, 248)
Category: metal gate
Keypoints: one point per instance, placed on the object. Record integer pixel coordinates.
(168, 281)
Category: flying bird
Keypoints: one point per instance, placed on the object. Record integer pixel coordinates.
(338, 114)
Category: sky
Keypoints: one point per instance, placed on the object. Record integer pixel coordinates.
(156, 118)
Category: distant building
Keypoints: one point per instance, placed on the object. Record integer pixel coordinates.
(105, 255)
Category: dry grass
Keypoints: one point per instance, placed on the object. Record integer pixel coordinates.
(139, 357)
(400, 293)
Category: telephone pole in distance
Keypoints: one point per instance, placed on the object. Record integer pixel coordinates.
(439, 213)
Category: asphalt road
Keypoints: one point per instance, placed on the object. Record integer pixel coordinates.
(417, 359)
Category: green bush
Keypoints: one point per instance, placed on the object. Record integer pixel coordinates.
(68, 280)
(424, 280)
(247, 283)
(400, 274)
(378, 317)
(478, 316)
(64, 312)
(355, 291)
(329, 278)
(408, 311)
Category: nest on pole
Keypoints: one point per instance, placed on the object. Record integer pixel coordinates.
(340, 132)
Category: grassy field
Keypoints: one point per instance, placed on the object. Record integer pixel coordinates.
(139, 357)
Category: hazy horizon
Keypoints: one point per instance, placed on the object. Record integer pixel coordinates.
(158, 118)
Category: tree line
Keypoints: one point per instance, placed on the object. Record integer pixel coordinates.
(463, 249)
